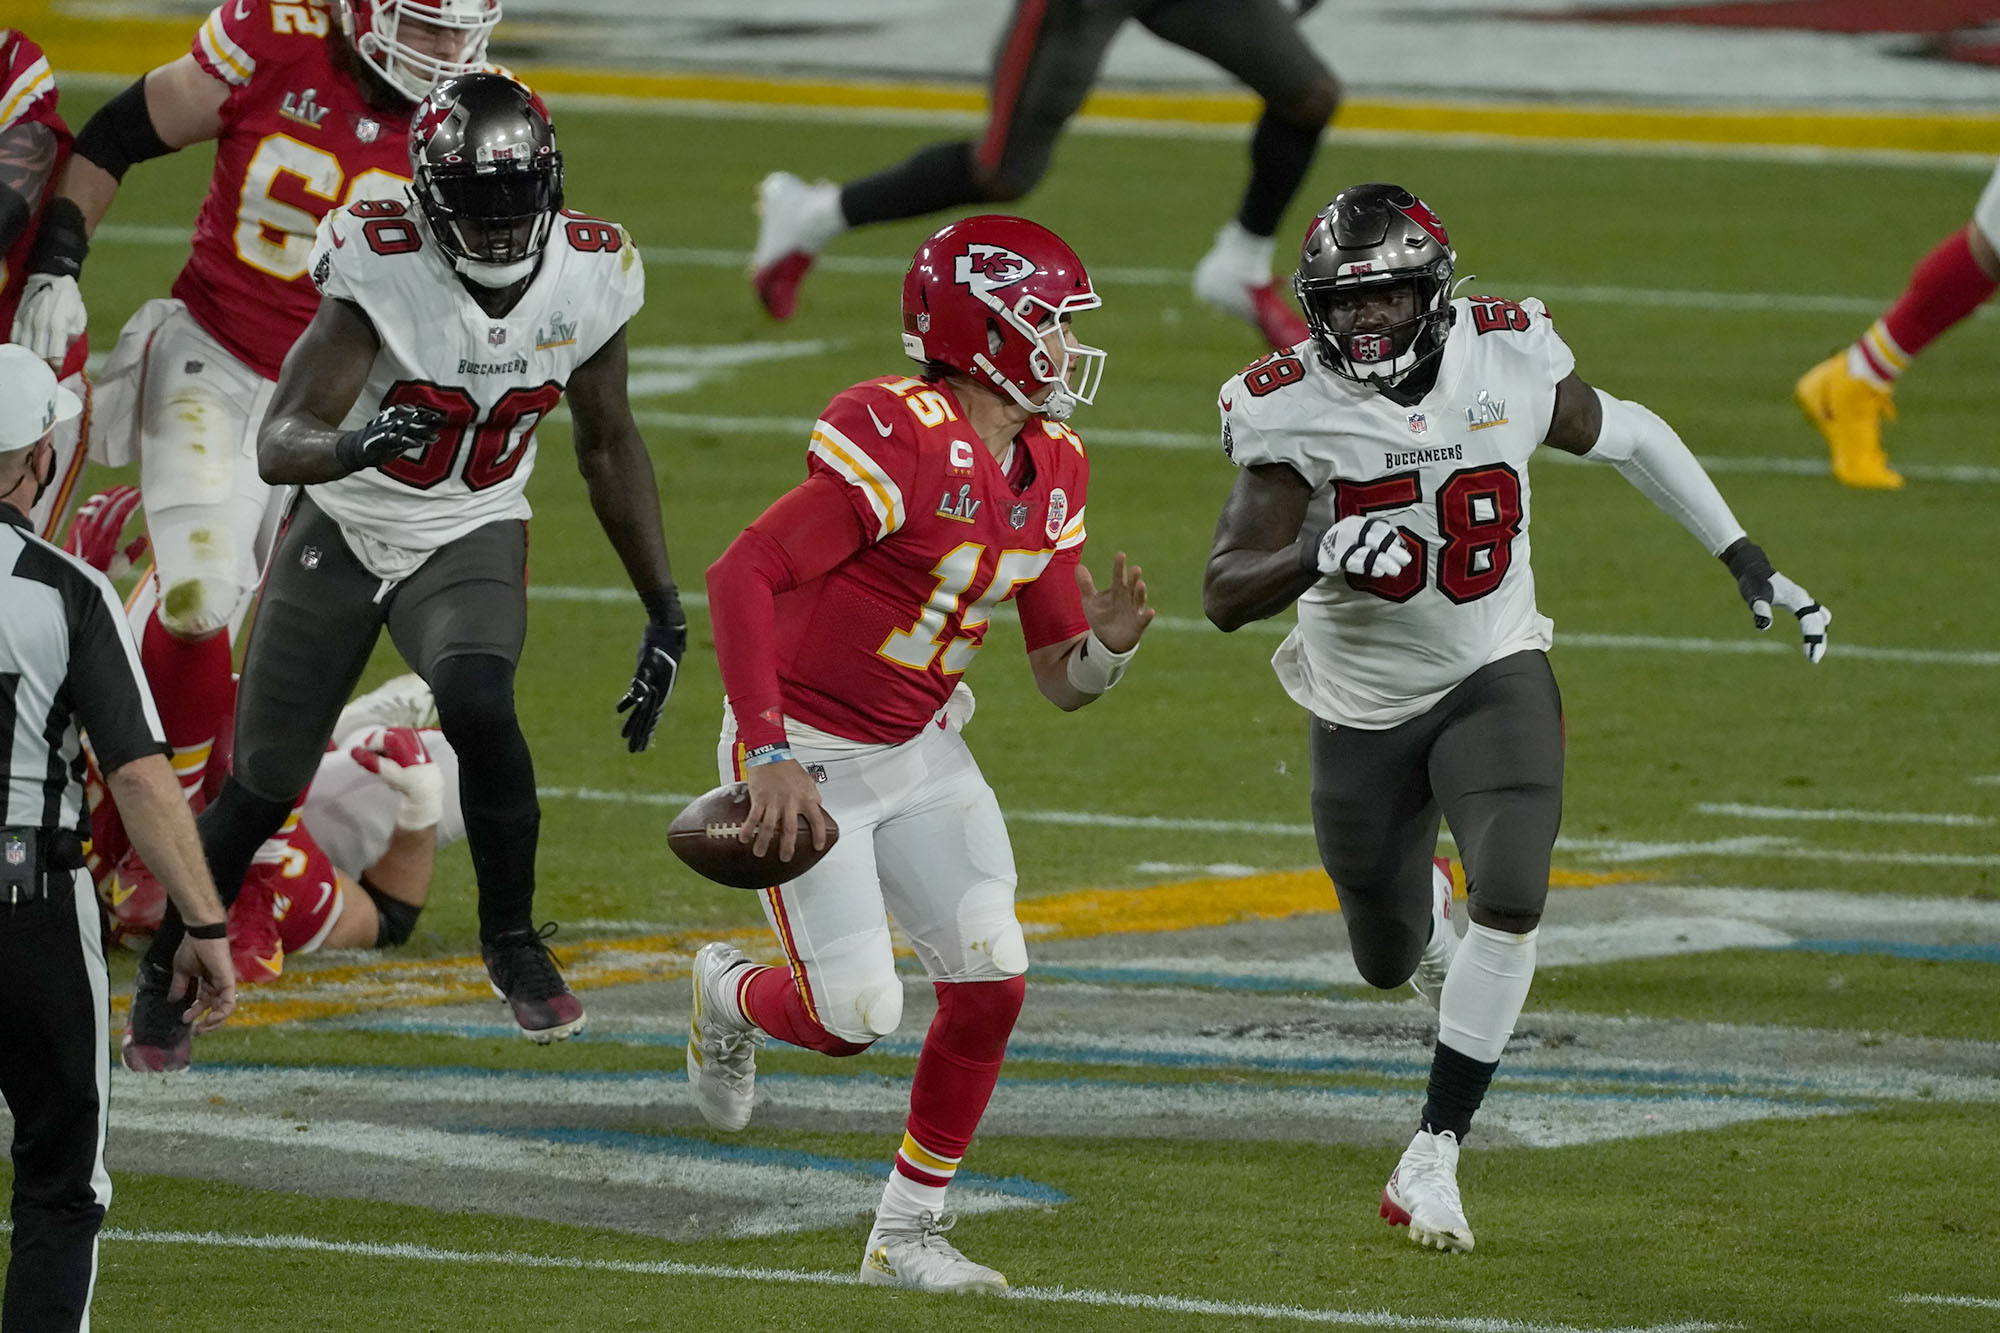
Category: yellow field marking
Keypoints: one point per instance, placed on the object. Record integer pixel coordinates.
(309, 992)
(128, 45)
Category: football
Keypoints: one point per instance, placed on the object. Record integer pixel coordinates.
(704, 836)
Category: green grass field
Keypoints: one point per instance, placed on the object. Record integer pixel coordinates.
(1652, 266)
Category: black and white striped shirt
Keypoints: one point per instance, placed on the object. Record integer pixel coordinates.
(66, 660)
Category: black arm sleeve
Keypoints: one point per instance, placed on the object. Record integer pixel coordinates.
(121, 133)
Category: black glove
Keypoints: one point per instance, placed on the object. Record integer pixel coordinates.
(389, 434)
(1761, 586)
(660, 649)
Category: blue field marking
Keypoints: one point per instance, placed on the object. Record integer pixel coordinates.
(873, 1168)
(1926, 953)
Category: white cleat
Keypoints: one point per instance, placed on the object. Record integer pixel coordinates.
(1428, 980)
(795, 219)
(1422, 1194)
(916, 1255)
(1235, 277)
(405, 701)
(721, 1052)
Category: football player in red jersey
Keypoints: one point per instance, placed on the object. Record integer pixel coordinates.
(844, 618)
(34, 143)
(309, 107)
(1048, 58)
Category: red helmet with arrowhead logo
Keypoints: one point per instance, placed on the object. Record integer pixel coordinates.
(991, 298)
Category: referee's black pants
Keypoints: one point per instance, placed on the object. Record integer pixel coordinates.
(55, 1070)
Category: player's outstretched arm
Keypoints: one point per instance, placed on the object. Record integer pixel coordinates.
(1648, 453)
(625, 496)
(175, 105)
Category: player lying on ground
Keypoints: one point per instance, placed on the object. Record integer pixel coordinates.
(1384, 489)
(844, 618)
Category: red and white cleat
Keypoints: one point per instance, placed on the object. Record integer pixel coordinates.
(795, 219)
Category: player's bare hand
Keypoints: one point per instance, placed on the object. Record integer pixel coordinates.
(1118, 612)
(1360, 544)
(1761, 586)
(780, 794)
(400, 429)
(205, 978)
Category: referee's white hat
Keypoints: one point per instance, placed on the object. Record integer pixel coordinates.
(31, 402)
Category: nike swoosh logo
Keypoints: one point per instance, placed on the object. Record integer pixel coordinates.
(880, 429)
(1228, 404)
(275, 963)
(325, 892)
(241, 12)
(338, 240)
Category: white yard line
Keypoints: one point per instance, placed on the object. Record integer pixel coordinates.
(1963, 1302)
(793, 1276)
(1652, 643)
(1780, 812)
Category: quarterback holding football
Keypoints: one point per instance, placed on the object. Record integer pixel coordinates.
(844, 618)
(453, 319)
(1383, 487)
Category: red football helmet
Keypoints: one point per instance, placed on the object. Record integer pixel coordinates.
(983, 297)
(414, 43)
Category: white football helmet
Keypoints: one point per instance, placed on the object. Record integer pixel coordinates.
(414, 43)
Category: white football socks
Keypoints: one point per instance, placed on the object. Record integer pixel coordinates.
(1485, 989)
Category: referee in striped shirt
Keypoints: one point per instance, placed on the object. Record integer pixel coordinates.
(67, 661)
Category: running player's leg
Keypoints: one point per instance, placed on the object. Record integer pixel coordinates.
(1847, 395)
(1046, 61)
(204, 499)
(948, 877)
(1259, 42)
(1377, 824)
(1496, 766)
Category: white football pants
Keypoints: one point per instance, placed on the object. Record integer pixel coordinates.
(922, 839)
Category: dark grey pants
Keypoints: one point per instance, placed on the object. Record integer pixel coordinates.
(319, 614)
(1489, 758)
(1050, 52)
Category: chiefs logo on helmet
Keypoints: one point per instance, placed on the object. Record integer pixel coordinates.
(985, 267)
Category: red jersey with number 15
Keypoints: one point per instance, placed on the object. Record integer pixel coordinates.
(298, 140)
(872, 649)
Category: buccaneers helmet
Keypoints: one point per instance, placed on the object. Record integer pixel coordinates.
(486, 174)
(984, 297)
(411, 59)
(1370, 241)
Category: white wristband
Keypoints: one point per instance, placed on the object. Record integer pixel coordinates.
(1093, 668)
(422, 790)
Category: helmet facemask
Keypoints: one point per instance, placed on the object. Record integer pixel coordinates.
(1374, 350)
(405, 41)
(1072, 369)
(492, 220)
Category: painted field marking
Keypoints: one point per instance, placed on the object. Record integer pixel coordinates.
(1649, 643)
(1779, 812)
(1964, 1302)
(1780, 303)
(807, 1277)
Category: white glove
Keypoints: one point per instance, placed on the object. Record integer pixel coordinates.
(1363, 545)
(397, 756)
(50, 317)
(1762, 587)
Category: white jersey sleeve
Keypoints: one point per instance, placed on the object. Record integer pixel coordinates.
(1263, 424)
(492, 377)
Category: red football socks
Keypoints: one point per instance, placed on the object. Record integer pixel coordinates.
(193, 691)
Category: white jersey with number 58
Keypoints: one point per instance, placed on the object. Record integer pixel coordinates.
(493, 377)
(1450, 471)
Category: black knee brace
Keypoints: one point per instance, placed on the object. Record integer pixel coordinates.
(394, 918)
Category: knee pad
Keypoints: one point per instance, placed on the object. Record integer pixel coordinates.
(191, 450)
(865, 1014)
(394, 918)
(995, 954)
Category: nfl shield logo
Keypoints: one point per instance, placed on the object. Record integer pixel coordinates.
(1417, 423)
(309, 558)
(495, 336)
(365, 130)
(1017, 517)
(17, 852)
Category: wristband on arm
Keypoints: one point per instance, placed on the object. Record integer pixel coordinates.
(1094, 668)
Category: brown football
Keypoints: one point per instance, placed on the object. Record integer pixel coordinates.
(704, 836)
